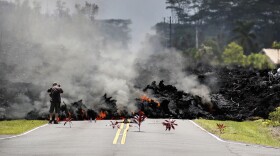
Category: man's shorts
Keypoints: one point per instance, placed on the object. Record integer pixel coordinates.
(55, 105)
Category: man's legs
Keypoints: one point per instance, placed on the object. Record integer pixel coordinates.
(57, 107)
(51, 115)
(51, 111)
(56, 116)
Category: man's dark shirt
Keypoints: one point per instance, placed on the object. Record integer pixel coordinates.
(55, 92)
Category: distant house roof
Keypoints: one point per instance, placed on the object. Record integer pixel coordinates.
(273, 54)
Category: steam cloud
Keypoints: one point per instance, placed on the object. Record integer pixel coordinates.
(37, 50)
(157, 63)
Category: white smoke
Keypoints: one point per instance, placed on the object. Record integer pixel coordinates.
(190, 84)
(74, 52)
(71, 51)
(156, 63)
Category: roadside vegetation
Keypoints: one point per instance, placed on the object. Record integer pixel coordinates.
(274, 118)
(19, 126)
(253, 132)
(233, 55)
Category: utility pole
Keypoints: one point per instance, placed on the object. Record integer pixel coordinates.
(170, 32)
(164, 33)
(1, 42)
(196, 37)
(47, 9)
(196, 31)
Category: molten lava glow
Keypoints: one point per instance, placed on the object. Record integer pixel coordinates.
(101, 115)
(147, 99)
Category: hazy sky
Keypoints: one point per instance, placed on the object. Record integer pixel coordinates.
(143, 13)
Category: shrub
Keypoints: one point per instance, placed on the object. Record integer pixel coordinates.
(233, 54)
(259, 61)
(275, 117)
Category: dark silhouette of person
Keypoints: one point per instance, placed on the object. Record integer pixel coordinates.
(54, 93)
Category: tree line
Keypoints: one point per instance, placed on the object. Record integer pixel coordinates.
(252, 24)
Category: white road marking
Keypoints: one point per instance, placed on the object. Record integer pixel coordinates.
(24, 133)
(207, 131)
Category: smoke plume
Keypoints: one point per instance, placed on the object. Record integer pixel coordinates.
(87, 57)
(156, 63)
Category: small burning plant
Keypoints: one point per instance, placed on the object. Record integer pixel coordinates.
(139, 118)
(221, 128)
(114, 124)
(169, 124)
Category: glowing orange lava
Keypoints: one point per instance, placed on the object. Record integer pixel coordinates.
(147, 99)
(101, 115)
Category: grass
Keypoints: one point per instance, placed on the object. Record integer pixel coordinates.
(253, 132)
(19, 126)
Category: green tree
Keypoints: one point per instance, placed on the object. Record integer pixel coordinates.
(218, 18)
(178, 8)
(245, 36)
(204, 52)
(233, 55)
(210, 52)
(259, 61)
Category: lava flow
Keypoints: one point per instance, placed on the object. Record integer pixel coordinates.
(101, 115)
(147, 99)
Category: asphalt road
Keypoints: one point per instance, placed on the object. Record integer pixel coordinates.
(90, 138)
